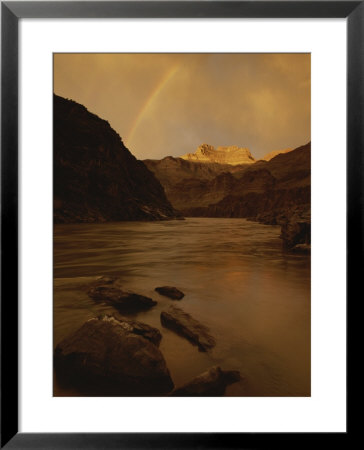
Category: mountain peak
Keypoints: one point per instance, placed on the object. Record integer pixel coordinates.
(232, 155)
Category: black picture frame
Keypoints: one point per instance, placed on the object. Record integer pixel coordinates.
(11, 12)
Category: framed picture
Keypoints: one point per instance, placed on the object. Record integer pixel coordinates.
(156, 221)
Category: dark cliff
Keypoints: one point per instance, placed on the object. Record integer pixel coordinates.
(96, 178)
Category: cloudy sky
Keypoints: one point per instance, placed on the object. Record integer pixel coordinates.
(169, 104)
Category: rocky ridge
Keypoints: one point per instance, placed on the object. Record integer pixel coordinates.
(273, 192)
(274, 153)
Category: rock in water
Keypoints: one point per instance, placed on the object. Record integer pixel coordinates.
(183, 324)
(301, 248)
(209, 384)
(296, 230)
(146, 331)
(171, 292)
(105, 357)
(121, 300)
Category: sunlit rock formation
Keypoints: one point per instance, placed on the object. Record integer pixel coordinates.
(233, 155)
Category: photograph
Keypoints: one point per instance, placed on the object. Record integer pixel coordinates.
(181, 224)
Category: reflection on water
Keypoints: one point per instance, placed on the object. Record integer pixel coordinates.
(237, 280)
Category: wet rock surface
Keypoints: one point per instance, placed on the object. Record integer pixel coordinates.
(185, 325)
(111, 357)
(142, 329)
(123, 301)
(171, 292)
(211, 383)
(302, 248)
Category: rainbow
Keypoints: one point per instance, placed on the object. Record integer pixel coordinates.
(152, 97)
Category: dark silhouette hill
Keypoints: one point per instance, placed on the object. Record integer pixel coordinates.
(96, 178)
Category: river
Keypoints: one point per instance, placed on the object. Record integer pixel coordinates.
(237, 280)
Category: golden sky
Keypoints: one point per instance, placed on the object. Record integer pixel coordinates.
(169, 104)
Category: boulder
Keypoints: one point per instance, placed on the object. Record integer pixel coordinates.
(142, 329)
(211, 383)
(302, 248)
(170, 291)
(296, 230)
(110, 357)
(104, 280)
(183, 324)
(123, 301)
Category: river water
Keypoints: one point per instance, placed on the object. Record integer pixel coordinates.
(237, 280)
